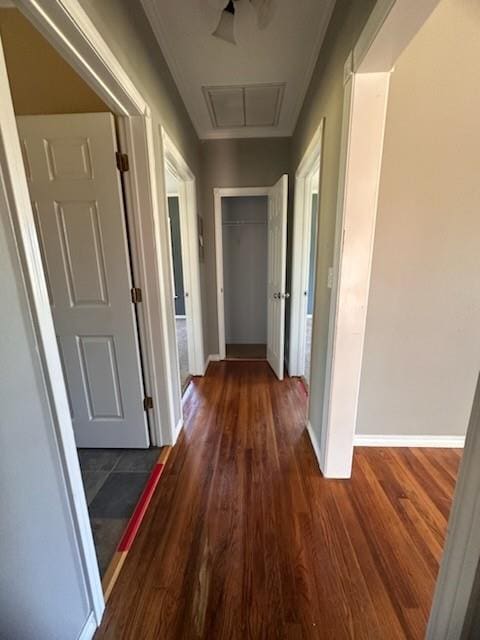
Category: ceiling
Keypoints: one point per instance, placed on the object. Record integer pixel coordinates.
(252, 89)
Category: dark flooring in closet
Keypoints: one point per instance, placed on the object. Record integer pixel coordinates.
(114, 480)
(246, 351)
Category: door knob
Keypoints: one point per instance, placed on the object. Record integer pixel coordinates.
(275, 295)
(286, 295)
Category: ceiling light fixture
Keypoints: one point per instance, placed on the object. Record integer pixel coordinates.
(225, 28)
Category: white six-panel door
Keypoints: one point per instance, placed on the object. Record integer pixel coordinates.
(77, 202)
(277, 257)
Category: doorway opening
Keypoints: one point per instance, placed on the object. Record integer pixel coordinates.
(73, 169)
(245, 257)
(178, 281)
(184, 251)
(251, 246)
(309, 292)
(307, 185)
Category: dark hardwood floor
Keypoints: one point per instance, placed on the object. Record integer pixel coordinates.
(244, 539)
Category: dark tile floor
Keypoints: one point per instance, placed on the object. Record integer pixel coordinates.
(114, 480)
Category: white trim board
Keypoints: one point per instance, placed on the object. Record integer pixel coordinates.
(437, 442)
(313, 439)
(89, 628)
(187, 203)
(141, 213)
(364, 115)
(302, 219)
(178, 428)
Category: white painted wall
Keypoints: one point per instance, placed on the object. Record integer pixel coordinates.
(42, 582)
(422, 346)
(245, 252)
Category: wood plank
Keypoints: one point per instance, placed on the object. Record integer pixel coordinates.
(244, 539)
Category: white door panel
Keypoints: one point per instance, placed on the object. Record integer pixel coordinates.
(77, 201)
(277, 257)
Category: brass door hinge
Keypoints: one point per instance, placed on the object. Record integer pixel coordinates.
(148, 403)
(136, 295)
(122, 161)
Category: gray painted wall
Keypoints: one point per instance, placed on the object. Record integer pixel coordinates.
(245, 253)
(422, 346)
(234, 163)
(42, 589)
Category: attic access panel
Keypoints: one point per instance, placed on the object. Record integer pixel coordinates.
(256, 105)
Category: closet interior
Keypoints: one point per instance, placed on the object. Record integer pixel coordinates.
(245, 255)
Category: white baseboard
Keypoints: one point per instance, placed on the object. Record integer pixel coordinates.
(314, 441)
(213, 357)
(439, 442)
(180, 317)
(178, 428)
(89, 628)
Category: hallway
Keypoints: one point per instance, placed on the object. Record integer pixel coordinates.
(245, 539)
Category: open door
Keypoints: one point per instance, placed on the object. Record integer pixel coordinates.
(277, 258)
(77, 203)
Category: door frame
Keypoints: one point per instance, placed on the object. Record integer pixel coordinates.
(141, 212)
(67, 26)
(302, 219)
(187, 205)
(366, 75)
(69, 29)
(218, 194)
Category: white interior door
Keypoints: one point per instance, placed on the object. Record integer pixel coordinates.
(77, 203)
(277, 258)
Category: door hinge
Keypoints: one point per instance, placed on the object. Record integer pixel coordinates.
(122, 161)
(148, 403)
(136, 295)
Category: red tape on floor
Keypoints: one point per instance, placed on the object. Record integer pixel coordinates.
(142, 505)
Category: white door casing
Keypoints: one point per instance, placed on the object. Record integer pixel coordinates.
(307, 181)
(175, 164)
(277, 256)
(77, 203)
